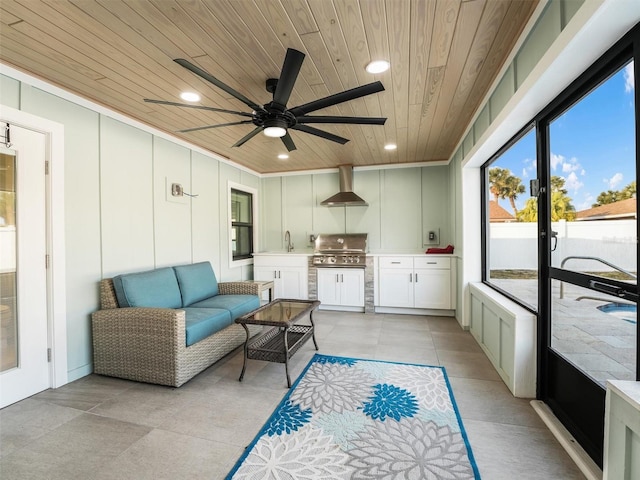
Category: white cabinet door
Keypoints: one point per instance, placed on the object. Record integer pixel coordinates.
(293, 283)
(396, 287)
(432, 288)
(352, 287)
(329, 286)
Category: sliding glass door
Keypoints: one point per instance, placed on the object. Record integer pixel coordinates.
(589, 245)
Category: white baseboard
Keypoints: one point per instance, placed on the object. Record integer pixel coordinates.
(584, 462)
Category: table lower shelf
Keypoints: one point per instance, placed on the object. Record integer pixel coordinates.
(270, 345)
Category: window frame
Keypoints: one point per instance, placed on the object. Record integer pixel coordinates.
(484, 211)
(244, 260)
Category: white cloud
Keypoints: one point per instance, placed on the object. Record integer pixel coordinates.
(629, 80)
(586, 202)
(571, 166)
(566, 165)
(529, 167)
(556, 160)
(573, 183)
(614, 181)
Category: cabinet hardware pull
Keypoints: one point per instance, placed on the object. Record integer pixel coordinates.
(416, 278)
(342, 278)
(336, 278)
(411, 277)
(275, 274)
(395, 263)
(432, 263)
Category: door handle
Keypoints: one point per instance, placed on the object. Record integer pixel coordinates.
(613, 290)
(554, 239)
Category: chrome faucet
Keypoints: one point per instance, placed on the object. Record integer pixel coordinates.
(287, 239)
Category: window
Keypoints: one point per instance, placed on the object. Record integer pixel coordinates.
(241, 224)
(511, 230)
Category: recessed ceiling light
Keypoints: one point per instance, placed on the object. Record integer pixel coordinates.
(377, 66)
(190, 97)
(390, 146)
(283, 156)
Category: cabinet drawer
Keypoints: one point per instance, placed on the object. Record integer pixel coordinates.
(396, 262)
(432, 262)
(280, 261)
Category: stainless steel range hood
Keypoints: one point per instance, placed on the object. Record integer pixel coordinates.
(345, 197)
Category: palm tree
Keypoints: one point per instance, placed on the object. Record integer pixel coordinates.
(497, 185)
(513, 188)
(561, 206)
(529, 212)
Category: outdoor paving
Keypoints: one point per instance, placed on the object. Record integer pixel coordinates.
(601, 344)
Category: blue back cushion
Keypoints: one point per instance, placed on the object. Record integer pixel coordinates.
(197, 282)
(155, 288)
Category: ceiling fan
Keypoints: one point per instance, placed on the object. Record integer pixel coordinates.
(274, 118)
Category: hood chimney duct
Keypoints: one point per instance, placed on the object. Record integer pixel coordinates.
(345, 197)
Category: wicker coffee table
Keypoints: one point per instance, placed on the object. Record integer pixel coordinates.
(279, 343)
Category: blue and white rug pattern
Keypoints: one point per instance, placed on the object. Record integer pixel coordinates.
(346, 418)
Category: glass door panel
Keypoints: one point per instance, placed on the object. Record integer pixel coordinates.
(8, 304)
(594, 331)
(592, 225)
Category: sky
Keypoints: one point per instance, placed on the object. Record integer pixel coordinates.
(592, 144)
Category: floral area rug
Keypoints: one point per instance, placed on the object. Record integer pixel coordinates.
(346, 418)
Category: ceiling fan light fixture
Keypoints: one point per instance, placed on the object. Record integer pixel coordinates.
(283, 156)
(390, 146)
(275, 132)
(190, 97)
(275, 127)
(377, 66)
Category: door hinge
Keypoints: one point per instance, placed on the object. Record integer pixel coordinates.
(46, 167)
(46, 261)
(48, 355)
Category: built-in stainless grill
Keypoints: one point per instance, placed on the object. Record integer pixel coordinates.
(340, 250)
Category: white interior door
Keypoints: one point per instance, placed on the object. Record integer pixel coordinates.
(24, 367)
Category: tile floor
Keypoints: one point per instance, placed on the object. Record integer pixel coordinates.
(105, 428)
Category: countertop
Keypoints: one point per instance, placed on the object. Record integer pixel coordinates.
(627, 389)
(308, 252)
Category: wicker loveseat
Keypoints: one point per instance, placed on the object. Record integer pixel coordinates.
(166, 325)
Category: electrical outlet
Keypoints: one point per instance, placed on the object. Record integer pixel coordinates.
(431, 236)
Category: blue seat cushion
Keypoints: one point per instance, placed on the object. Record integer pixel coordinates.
(203, 322)
(197, 282)
(154, 288)
(237, 305)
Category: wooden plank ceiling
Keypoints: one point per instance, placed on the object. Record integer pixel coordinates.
(444, 56)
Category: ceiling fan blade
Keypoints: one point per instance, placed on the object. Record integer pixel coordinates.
(320, 133)
(223, 86)
(336, 98)
(350, 120)
(186, 130)
(288, 75)
(247, 137)
(199, 107)
(288, 142)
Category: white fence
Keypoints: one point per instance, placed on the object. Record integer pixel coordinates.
(514, 245)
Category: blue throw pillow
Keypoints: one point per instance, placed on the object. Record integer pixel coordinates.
(155, 288)
(197, 282)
